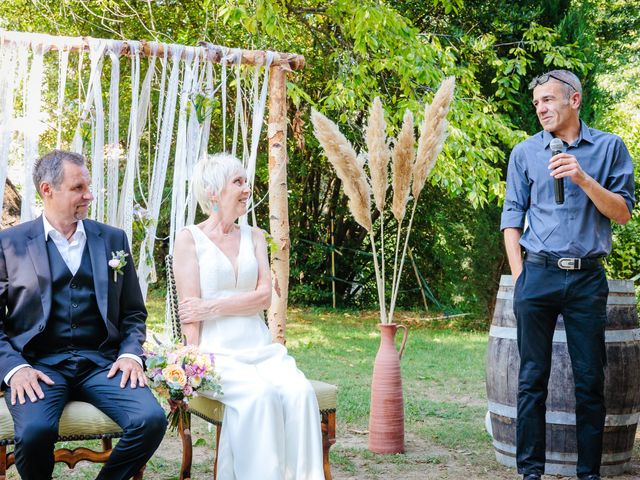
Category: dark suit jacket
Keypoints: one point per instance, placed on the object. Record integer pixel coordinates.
(25, 291)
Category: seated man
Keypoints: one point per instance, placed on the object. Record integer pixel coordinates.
(72, 325)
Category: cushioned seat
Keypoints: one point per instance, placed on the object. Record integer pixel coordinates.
(79, 421)
(213, 411)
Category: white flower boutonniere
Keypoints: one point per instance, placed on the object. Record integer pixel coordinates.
(117, 263)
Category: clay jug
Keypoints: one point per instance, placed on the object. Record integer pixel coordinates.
(386, 418)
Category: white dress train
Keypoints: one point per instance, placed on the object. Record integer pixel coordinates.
(271, 424)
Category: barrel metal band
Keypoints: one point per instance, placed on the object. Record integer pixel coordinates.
(560, 336)
(566, 457)
(566, 418)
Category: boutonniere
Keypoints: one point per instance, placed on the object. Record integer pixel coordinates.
(117, 263)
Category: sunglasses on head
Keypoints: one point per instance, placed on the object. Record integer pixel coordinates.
(542, 79)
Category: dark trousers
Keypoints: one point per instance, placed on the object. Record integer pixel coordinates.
(136, 411)
(540, 294)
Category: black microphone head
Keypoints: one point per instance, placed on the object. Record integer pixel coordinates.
(557, 146)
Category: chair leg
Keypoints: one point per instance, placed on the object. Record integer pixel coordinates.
(3, 462)
(107, 445)
(215, 461)
(328, 426)
(187, 447)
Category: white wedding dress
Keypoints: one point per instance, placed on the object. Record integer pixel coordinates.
(271, 424)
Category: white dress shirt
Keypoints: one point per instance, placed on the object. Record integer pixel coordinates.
(71, 251)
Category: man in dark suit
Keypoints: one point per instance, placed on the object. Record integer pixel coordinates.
(72, 326)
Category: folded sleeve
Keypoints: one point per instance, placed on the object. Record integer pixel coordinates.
(621, 179)
(518, 194)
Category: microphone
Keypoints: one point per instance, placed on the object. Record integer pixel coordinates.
(557, 147)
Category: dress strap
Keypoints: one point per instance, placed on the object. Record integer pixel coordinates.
(196, 233)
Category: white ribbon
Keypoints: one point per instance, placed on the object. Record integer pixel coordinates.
(259, 106)
(125, 209)
(8, 81)
(223, 91)
(63, 67)
(33, 101)
(114, 49)
(178, 192)
(239, 113)
(163, 149)
(136, 125)
(96, 55)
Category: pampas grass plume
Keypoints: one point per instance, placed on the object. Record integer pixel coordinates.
(345, 162)
(432, 134)
(379, 153)
(403, 153)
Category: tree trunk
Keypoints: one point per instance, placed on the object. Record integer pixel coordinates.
(11, 205)
(278, 204)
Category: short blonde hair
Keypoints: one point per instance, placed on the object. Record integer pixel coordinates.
(211, 174)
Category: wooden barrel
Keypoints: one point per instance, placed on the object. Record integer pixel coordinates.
(622, 385)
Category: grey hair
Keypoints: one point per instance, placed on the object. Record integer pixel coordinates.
(569, 80)
(211, 174)
(50, 167)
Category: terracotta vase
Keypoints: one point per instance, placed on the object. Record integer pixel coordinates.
(386, 419)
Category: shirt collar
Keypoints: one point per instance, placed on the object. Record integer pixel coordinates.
(585, 134)
(48, 228)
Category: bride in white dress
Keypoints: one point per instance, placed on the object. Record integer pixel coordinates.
(271, 425)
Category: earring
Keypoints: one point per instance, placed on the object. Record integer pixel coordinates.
(215, 207)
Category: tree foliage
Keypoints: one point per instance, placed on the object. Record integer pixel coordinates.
(401, 50)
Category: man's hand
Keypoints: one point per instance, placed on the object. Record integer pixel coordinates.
(611, 205)
(26, 381)
(565, 165)
(130, 370)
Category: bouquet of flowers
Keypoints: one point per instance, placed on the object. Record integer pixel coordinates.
(176, 372)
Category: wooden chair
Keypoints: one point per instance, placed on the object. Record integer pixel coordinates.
(79, 421)
(213, 411)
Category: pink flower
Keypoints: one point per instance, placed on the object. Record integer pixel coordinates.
(114, 263)
(187, 390)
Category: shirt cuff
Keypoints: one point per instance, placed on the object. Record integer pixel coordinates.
(512, 219)
(133, 357)
(8, 376)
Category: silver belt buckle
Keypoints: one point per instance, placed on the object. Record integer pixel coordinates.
(570, 263)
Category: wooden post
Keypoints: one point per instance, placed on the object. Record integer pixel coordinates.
(278, 202)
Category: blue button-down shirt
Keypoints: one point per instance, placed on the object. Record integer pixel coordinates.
(575, 228)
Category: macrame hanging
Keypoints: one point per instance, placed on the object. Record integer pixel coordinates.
(33, 102)
(114, 49)
(8, 65)
(63, 69)
(137, 121)
(145, 259)
(96, 55)
(187, 85)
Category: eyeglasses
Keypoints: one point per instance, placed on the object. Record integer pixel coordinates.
(542, 79)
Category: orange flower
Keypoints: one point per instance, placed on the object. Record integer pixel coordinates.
(174, 376)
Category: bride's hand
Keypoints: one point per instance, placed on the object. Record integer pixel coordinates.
(193, 310)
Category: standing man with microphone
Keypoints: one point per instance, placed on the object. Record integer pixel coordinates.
(568, 181)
